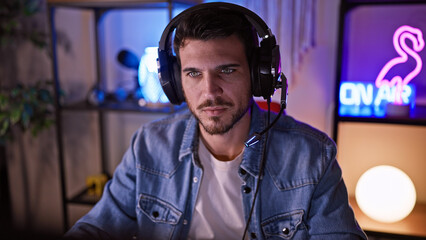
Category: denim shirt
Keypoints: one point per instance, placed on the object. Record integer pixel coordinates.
(153, 191)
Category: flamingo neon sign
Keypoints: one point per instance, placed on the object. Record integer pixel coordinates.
(397, 90)
(400, 36)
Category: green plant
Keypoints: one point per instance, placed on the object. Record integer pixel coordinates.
(28, 107)
(15, 23)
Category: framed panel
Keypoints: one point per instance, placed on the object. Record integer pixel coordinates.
(381, 77)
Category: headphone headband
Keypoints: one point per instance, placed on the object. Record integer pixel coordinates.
(261, 28)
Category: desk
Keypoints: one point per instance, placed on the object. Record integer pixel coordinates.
(413, 225)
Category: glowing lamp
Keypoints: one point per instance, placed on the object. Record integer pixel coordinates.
(385, 194)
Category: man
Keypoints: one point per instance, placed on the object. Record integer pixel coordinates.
(190, 176)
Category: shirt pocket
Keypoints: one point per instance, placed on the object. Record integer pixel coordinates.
(159, 211)
(283, 226)
(157, 219)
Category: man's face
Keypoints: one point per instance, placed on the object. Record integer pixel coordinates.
(216, 82)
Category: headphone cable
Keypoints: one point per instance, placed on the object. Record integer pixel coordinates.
(261, 167)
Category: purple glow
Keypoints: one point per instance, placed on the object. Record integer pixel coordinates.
(399, 37)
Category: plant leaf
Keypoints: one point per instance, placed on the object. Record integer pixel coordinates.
(15, 115)
(4, 127)
(31, 7)
(25, 120)
(28, 109)
(3, 101)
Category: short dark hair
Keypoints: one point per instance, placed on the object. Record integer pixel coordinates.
(212, 23)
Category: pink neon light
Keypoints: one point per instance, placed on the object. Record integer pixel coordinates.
(399, 37)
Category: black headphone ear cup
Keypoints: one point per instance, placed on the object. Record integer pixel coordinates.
(261, 73)
(167, 76)
(254, 72)
(178, 80)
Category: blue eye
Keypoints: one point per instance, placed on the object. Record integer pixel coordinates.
(227, 70)
(194, 74)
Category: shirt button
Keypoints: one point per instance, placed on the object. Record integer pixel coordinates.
(155, 214)
(247, 190)
(253, 235)
(195, 179)
(185, 222)
(286, 231)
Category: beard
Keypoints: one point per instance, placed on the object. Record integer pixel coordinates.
(220, 124)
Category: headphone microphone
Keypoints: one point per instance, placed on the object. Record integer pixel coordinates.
(283, 84)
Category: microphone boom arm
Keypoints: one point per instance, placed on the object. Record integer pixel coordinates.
(284, 92)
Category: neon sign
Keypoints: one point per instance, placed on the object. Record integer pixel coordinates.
(358, 93)
(364, 99)
(372, 99)
(399, 42)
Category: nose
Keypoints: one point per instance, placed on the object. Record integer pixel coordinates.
(212, 85)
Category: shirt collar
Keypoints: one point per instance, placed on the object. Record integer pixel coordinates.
(190, 138)
(252, 155)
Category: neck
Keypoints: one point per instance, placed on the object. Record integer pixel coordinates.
(228, 146)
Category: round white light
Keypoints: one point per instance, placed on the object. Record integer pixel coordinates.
(385, 194)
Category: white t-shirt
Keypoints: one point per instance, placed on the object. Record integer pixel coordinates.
(219, 209)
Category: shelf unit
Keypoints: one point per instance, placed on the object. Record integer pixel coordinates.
(99, 8)
(412, 226)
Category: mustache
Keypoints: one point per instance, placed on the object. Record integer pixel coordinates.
(217, 102)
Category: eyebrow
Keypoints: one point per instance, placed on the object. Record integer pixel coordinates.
(228, 65)
(190, 69)
(193, 69)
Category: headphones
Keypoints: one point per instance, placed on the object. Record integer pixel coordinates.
(264, 66)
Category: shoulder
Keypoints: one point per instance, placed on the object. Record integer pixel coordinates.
(163, 136)
(156, 146)
(288, 127)
(299, 147)
(291, 128)
(176, 118)
(171, 124)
